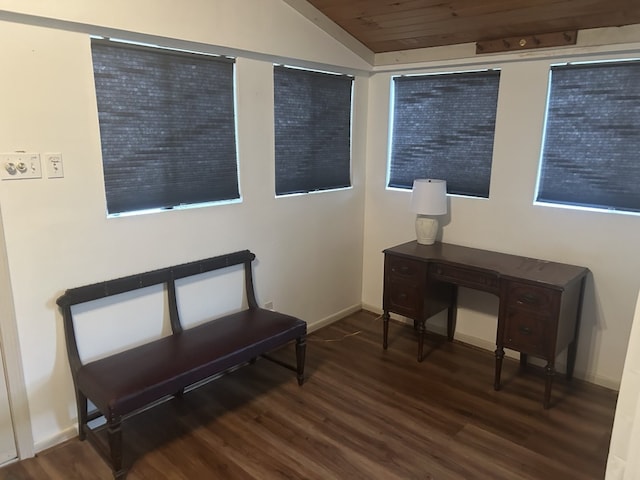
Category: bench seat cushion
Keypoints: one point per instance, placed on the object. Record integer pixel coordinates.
(127, 381)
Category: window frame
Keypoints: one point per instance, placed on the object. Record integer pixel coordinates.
(584, 206)
(231, 165)
(493, 71)
(348, 175)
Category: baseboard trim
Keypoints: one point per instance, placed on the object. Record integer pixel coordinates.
(67, 434)
(313, 326)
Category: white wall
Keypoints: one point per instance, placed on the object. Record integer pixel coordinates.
(268, 27)
(508, 221)
(57, 234)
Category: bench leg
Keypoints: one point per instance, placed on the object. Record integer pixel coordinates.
(81, 402)
(301, 348)
(114, 435)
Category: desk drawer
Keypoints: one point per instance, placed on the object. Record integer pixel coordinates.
(528, 333)
(404, 298)
(404, 286)
(409, 270)
(478, 279)
(530, 297)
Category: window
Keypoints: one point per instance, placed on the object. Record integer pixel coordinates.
(591, 140)
(167, 126)
(443, 127)
(312, 130)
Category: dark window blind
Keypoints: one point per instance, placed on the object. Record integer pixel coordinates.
(443, 127)
(167, 126)
(592, 137)
(312, 114)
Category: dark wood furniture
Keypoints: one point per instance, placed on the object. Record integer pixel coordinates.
(540, 301)
(124, 383)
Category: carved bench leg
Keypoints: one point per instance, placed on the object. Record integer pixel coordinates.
(114, 435)
(301, 347)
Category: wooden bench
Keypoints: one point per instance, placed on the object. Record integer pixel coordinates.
(122, 384)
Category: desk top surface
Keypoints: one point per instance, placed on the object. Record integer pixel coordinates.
(503, 264)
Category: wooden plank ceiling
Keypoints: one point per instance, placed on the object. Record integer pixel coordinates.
(391, 25)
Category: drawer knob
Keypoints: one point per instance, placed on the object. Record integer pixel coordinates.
(524, 330)
(528, 299)
(403, 270)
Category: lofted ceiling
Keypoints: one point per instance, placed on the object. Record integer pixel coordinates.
(391, 25)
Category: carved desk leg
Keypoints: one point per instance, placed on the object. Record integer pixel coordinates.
(421, 333)
(573, 346)
(550, 372)
(385, 329)
(301, 349)
(571, 359)
(523, 360)
(499, 356)
(452, 313)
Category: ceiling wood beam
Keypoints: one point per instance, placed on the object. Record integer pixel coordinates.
(527, 42)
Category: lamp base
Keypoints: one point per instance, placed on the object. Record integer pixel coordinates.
(426, 230)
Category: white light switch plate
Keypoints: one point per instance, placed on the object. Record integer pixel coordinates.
(18, 166)
(53, 162)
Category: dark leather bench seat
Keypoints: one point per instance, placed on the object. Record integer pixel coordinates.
(122, 383)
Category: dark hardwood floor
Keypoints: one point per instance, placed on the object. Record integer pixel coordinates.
(362, 414)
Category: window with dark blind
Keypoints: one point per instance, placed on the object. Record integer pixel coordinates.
(167, 126)
(592, 137)
(312, 114)
(443, 127)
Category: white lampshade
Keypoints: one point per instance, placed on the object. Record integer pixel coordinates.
(429, 197)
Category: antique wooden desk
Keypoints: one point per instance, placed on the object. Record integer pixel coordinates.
(540, 301)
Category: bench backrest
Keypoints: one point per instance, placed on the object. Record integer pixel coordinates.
(167, 276)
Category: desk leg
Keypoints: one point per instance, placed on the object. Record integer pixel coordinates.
(421, 332)
(573, 346)
(571, 359)
(523, 360)
(452, 313)
(385, 329)
(550, 372)
(499, 356)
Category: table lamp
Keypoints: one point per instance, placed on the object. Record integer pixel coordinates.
(428, 199)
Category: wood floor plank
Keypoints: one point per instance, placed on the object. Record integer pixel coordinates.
(363, 413)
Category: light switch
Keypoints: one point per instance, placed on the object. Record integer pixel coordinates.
(18, 166)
